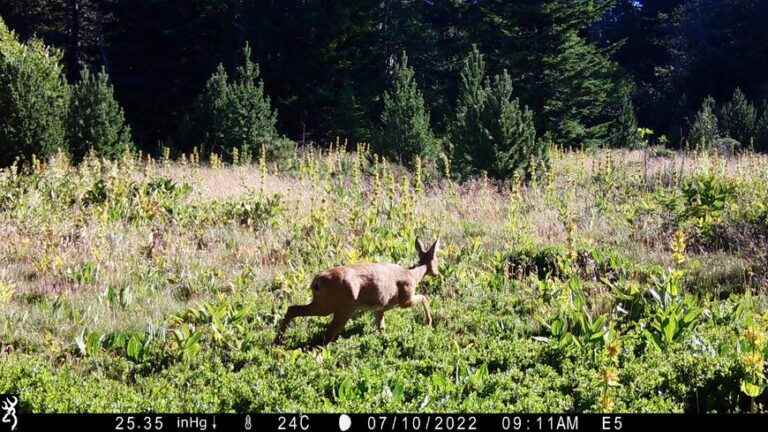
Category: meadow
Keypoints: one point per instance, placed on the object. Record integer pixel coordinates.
(619, 281)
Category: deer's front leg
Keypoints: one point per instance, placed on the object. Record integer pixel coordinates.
(421, 298)
(336, 326)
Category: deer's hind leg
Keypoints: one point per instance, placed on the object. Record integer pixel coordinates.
(312, 309)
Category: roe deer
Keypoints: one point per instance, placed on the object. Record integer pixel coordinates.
(343, 291)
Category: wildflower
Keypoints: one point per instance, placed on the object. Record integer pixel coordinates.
(606, 404)
(678, 248)
(614, 349)
(610, 377)
(753, 362)
(755, 336)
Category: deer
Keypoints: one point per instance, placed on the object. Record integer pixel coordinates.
(346, 291)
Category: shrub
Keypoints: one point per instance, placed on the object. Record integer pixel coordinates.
(33, 99)
(96, 120)
(405, 126)
(234, 113)
(737, 119)
(491, 132)
(704, 130)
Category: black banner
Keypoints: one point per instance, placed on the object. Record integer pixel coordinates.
(15, 419)
(381, 422)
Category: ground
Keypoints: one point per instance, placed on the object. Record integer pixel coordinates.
(619, 281)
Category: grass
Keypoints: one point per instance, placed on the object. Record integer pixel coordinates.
(620, 281)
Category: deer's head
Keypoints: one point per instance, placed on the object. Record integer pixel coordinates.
(428, 257)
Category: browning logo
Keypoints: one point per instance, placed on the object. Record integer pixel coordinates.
(8, 406)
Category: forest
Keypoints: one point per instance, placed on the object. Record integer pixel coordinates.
(174, 175)
(583, 68)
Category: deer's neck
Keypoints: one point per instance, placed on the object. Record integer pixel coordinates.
(417, 272)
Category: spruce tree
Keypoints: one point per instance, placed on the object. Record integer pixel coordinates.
(405, 126)
(737, 119)
(514, 147)
(96, 120)
(33, 99)
(250, 118)
(704, 130)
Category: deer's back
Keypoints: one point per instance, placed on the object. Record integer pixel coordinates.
(371, 286)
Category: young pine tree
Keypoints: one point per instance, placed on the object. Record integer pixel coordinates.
(704, 130)
(468, 134)
(250, 118)
(96, 120)
(514, 147)
(405, 127)
(234, 113)
(491, 131)
(737, 119)
(33, 99)
(625, 134)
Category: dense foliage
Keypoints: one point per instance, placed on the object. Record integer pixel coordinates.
(233, 115)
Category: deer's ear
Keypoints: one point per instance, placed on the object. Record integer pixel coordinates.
(420, 246)
(435, 247)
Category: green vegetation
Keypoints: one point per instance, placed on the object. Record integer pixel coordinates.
(610, 284)
(704, 130)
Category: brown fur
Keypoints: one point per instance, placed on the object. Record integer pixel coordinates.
(348, 290)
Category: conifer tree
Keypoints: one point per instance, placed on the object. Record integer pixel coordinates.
(33, 99)
(234, 113)
(625, 127)
(761, 128)
(96, 120)
(737, 119)
(491, 132)
(567, 80)
(405, 125)
(704, 130)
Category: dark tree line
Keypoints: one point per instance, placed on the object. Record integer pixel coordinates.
(582, 67)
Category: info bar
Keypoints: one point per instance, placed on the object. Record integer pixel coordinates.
(381, 422)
